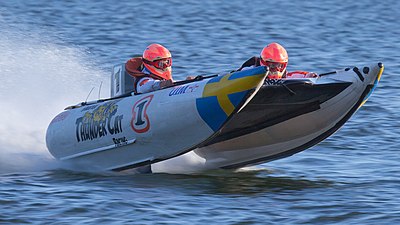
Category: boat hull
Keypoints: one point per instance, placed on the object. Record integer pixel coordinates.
(131, 131)
(284, 118)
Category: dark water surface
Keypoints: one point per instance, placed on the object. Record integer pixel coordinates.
(52, 53)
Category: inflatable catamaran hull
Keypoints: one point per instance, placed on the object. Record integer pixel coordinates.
(130, 131)
(284, 118)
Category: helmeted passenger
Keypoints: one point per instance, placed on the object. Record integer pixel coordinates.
(152, 71)
(275, 57)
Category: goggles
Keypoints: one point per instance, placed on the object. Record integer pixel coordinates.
(160, 63)
(275, 66)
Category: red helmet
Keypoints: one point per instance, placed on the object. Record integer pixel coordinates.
(276, 58)
(157, 59)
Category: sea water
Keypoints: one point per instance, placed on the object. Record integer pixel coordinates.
(55, 54)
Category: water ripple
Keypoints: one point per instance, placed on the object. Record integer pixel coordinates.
(350, 178)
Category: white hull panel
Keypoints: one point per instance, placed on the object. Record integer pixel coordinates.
(131, 131)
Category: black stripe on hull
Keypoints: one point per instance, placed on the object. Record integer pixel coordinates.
(357, 71)
(275, 104)
(308, 144)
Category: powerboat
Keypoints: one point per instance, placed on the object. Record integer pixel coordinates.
(227, 121)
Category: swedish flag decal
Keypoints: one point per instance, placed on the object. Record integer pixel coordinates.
(223, 94)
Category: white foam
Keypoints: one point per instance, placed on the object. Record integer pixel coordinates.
(39, 77)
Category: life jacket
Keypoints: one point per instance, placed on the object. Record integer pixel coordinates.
(135, 68)
(301, 74)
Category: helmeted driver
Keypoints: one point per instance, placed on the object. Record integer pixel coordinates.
(152, 71)
(275, 57)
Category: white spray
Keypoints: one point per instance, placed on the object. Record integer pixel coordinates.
(38, 79)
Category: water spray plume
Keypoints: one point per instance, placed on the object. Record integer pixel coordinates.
(38, 78)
